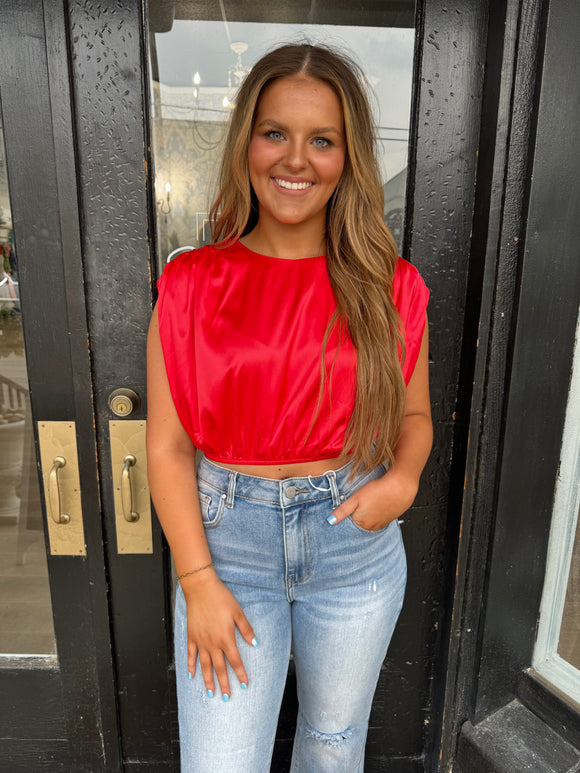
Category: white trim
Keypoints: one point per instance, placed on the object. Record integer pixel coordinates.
(561, 674)
(546, 660)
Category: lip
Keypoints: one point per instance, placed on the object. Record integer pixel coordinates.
(309, 185)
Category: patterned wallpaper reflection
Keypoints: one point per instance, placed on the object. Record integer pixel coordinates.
(187, 152)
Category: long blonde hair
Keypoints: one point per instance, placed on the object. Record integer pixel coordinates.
(361, 253)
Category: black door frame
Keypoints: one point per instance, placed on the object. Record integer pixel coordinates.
(522, 379)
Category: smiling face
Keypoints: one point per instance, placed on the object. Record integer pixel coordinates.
(296, 153)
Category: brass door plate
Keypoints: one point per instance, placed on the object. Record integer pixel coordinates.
(129, 468)
(62, 490)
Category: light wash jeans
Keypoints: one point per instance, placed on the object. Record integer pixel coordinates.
(330, 594)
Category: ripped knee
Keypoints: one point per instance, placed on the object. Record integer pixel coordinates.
(329, 739)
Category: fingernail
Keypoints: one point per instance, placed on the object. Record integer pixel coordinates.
(331, 519)
(189, 675)
(254, 642)
(210, 693)
(225, 697)
(243, 685)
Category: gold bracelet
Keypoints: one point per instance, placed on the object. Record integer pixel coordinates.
(201, 568)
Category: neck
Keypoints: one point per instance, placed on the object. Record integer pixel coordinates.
(286, 240)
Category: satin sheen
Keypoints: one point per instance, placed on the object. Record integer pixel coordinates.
(242, 334)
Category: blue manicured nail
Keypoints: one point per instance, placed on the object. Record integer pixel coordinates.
(189, 675)
(225, 697)
(331, 519)
(210, 693)
(243, 685)
(254, 642)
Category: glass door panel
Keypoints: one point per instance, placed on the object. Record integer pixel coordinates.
(26, 623)
(196, 68)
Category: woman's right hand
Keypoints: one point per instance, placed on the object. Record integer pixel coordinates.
(212, 616)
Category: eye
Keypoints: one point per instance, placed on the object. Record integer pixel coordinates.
(275, 135)
(321, 142)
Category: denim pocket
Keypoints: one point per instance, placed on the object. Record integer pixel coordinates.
(212, 508)
(360, 528)
(376, 472)
(373, 474)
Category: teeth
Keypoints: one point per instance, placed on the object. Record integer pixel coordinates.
(292, 186)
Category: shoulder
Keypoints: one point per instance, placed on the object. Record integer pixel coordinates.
(186, 261)
(181, 272)
(406, 276)
(409, 289)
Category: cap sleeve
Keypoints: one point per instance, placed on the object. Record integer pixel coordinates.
(411, 297)
(175, 307)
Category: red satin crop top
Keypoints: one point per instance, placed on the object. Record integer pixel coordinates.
(242, 334)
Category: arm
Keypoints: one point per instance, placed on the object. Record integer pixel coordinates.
(212, 611)
(380, 501)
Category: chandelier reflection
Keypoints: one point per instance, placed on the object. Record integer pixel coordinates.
(213, 104)
(236, 73)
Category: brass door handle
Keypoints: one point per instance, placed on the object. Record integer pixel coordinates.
(130, 489)
(54, 491)
(126, 491)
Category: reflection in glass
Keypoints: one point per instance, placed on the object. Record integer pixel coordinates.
(569, 644)
(26, 626)
(196, 68)
(557, 650)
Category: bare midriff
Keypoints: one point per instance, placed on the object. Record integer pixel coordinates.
(283, 471)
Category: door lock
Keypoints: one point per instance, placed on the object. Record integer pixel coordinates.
(123, 402)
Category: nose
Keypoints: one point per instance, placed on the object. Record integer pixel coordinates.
(295, 156)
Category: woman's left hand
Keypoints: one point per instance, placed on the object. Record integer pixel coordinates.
(378, 502)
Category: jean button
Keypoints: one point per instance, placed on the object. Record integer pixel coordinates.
(291, 492)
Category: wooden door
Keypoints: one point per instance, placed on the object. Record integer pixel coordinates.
(56, 667)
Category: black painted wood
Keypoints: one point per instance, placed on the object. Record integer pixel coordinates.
(445, 139)
(550, 705)
(486, 373)
(95, 578)
(35, 756)
(108, 75)
(40, 160)
(134, 766)
(38, 679)
(512, 740)
(394, 13)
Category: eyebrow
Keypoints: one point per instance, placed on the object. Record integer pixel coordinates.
(281, 126)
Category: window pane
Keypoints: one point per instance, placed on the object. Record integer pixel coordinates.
(557, 650)
(569, 644)
(26, 626)
(196, 68)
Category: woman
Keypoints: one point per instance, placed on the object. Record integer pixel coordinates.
(277, 351)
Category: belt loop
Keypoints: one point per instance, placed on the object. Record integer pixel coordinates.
(331, 475)
(231, 489)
